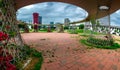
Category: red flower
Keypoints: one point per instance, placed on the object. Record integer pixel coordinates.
(8, 57)
(1, 51)
(5, 60)
(7, 27)
(3, 36)
(10, 66)
(1, 59)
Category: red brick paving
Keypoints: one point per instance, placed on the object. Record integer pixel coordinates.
(63, 51)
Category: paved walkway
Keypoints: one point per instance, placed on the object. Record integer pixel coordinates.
(63, 51)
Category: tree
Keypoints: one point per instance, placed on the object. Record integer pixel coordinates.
(66, 27)
(23, 26)
(81, 26)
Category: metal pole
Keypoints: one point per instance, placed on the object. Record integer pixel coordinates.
(109, 22)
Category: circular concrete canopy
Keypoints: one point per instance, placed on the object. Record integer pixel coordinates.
(91, 6)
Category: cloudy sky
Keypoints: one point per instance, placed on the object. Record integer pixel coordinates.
(57, 12)
(52, 11)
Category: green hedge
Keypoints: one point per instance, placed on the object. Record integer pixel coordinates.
(100, 42)
(39, 63)
(37, 54)
(76, 31)
(81, 26)
(26, 52)
(90, 45)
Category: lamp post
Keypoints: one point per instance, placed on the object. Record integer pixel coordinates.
(106, 9)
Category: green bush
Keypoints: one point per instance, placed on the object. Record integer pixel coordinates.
(100, 42)
(116, 45)
(91, 45)
(79, 30)
(26, 51)
(19, 65)
(66, 27)
(39, 63)
(43, 30)
(21, 25)
(76, 31)
(36, 53)
(81, 26)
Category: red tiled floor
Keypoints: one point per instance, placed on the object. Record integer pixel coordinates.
(63, 51)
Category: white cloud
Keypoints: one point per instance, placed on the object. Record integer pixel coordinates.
(118, 11)
(29, 7)
(114, 18)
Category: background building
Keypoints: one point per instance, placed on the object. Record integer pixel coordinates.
(35, 21)
(51, 24)
(66, 22)
(40, 21)
(35, 18)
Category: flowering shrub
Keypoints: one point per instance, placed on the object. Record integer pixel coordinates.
(3, 36)
(5, 60)
(5, 57)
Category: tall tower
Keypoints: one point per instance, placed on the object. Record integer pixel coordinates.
(35, 21)
(35, 18)
(66, 22)
(51, 24)
(40, 21)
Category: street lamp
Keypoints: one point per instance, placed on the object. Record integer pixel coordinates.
(103, 8)
(106, 10)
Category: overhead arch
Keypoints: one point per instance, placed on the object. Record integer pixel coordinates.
(91, 6)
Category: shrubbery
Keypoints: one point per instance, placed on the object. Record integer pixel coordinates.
(76, 31)
(100, 42)
(66, 27)
(81, 26)
(27, 52)
(24, 27)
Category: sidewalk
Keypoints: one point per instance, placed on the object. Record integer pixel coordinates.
(63, 52)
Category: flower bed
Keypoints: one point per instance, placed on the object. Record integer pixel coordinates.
(91, 45)
(100, 42)
(5, 60)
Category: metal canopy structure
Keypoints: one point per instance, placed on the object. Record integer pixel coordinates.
(91, 6)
